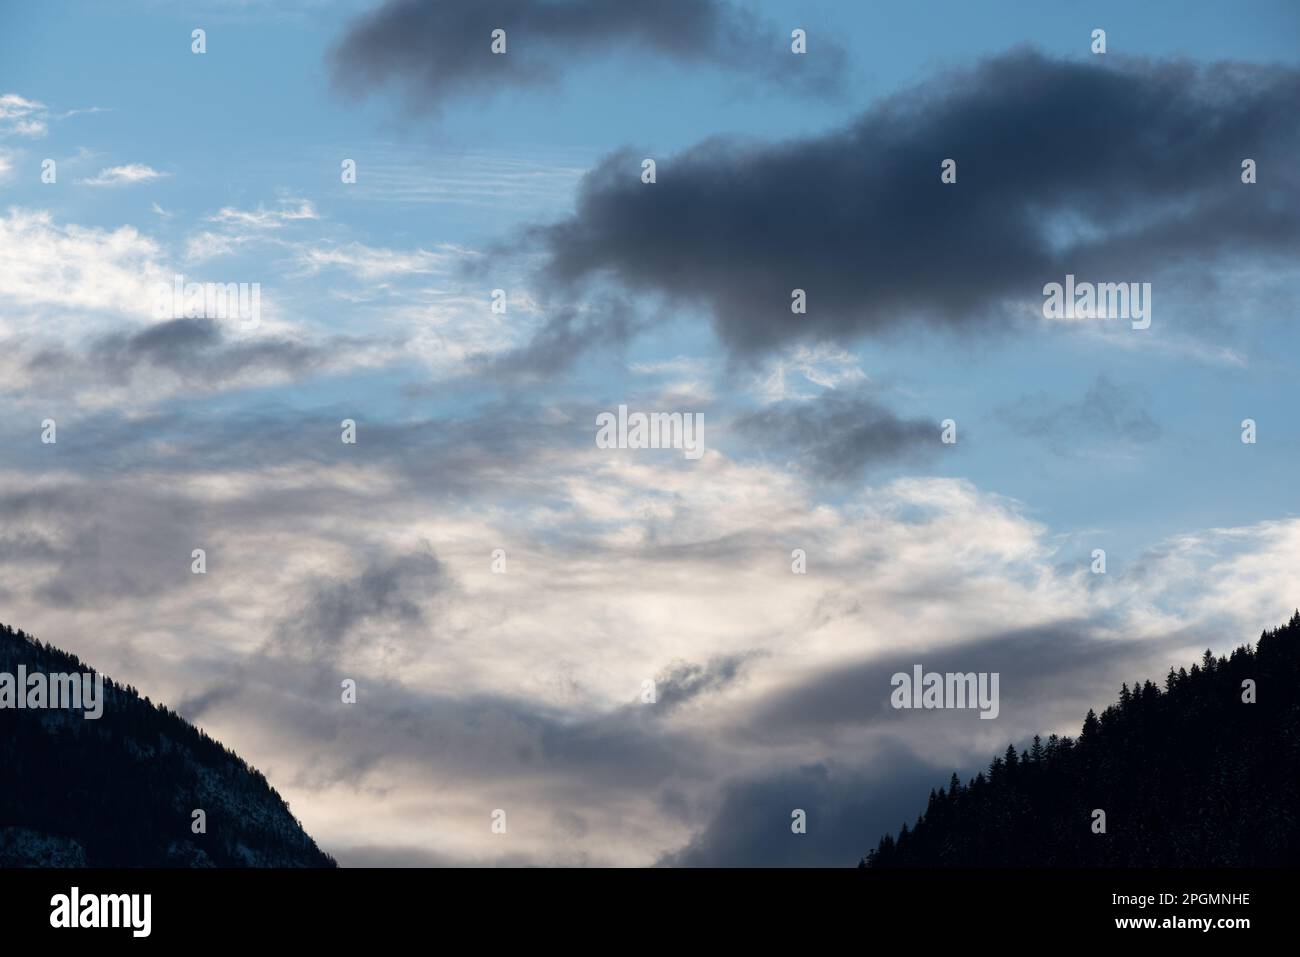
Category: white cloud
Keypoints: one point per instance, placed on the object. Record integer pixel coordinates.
(237, 228)
(65, 287)
(48, 266)
(127, 175)
(371, 262)
(262, 218)
(823, 365)
(22, 117)
(210, 245)
(84, 111)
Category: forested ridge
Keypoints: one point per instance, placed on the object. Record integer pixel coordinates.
(1190, 774)
(120, 790)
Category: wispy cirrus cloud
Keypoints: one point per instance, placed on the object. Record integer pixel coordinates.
(128, 175)
(288, 211)
(237, 229)
(374, 262)
(20, 116)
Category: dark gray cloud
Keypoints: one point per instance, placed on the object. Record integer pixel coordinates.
(1109, 169)
(198, 350)
(387, 855)
(682, 681)
(847, 809)
(194, 705)
(107, 544)
(1109, 410)
(441, 50)
(491, 448)
(390, 855)
(1046, 675)
(479, 743)
(837, 435)
(566, 334)
(390, 589)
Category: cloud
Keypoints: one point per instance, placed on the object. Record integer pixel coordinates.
(1109, 412)
(370, 262)
(50, 266)
(20, 116)
(564, 335)
(79, 326)
(837, 435)
(395, 855)
(1048, 673)
(1051, 179)
(89, 110)
(373, 562)
(262, 218)
(386, 591)
(210, 245)
(237, 228)
(441, 51)
(846, 810)
(198, 350)
(193, 706)
(142, 366)
(127, 175)
(684, 681)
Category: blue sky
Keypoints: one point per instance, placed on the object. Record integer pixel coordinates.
(375, 298)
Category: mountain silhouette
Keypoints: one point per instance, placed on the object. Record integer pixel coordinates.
(1189, 776)
(121, 790)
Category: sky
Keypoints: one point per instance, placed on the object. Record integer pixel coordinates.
(516, 683)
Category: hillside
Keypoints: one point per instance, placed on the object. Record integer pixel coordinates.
(119, 791)
(1188, 776)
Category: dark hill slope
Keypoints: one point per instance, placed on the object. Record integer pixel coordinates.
(1187, 776)
(119, 791)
